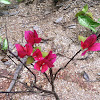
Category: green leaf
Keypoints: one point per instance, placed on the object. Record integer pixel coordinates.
(88, 22)
(5, 1)
(81, 38)
(79, 13)
(99, 19)
(37, 48)
(44, 54)
(93, 29)
(34, 49)
(85, 8)
(20, 0)
(0, 39)
(30, 60)
(89, 14)
(5, 44)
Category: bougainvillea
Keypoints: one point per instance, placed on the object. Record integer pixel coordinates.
(45, 63)
(90, 45)
(37, 55)
(44, 60)
(42, 63)
(32, 37)
(23, 51)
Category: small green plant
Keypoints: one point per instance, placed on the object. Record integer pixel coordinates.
(8, 2)
(99, 19)
(4, 44)
(84, 12)
(5, 1)
(19, 0)
(86, 19)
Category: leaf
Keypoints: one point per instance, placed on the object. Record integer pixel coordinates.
(30, 60)
(34, 49)
(81, 38)
(93, 29)
(20, 0)
(89, 14)
(79, 13)
(5, 1)
(99, 19)
(88, 22)
(44, 54)
(5, 44)
(0, 39)
(85, 8)
(37, 48)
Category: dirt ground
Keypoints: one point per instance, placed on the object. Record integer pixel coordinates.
(60, 26)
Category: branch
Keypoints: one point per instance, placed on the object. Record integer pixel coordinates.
(8, 56)
(52, 84)
(24, 66)
(98, 35)
(16, 81)
(18, 69)
(17, 92)
(66, 64)
(52, 81)
(44, 74)
(42, 90)
(46, 77)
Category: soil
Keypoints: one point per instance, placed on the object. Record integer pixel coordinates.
(58, 24)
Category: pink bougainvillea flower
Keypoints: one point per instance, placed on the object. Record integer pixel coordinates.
(37, 55)
(23, 51)
(45, 63)
(32, 37)
(90, 45)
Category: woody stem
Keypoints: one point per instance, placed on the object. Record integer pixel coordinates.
(24, 66)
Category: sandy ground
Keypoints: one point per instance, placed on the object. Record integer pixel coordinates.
(60, 26)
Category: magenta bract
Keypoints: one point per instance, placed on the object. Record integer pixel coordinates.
(32, 37)
(37, 55)
(23, 51)
(90, 45)
(45, 63)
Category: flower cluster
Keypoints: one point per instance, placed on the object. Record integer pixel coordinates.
(42, 63)
(90, 44)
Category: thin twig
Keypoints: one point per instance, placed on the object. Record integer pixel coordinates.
(66, 64)
(24, 66)
(98, 35)
(44, 74)
(45, 40)
(9, 57)
(18, 69)
(15, 80)
(17, 91)
(47, 77)
(42, 90)
(52, 84)
(38, 88)
(51, 76)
